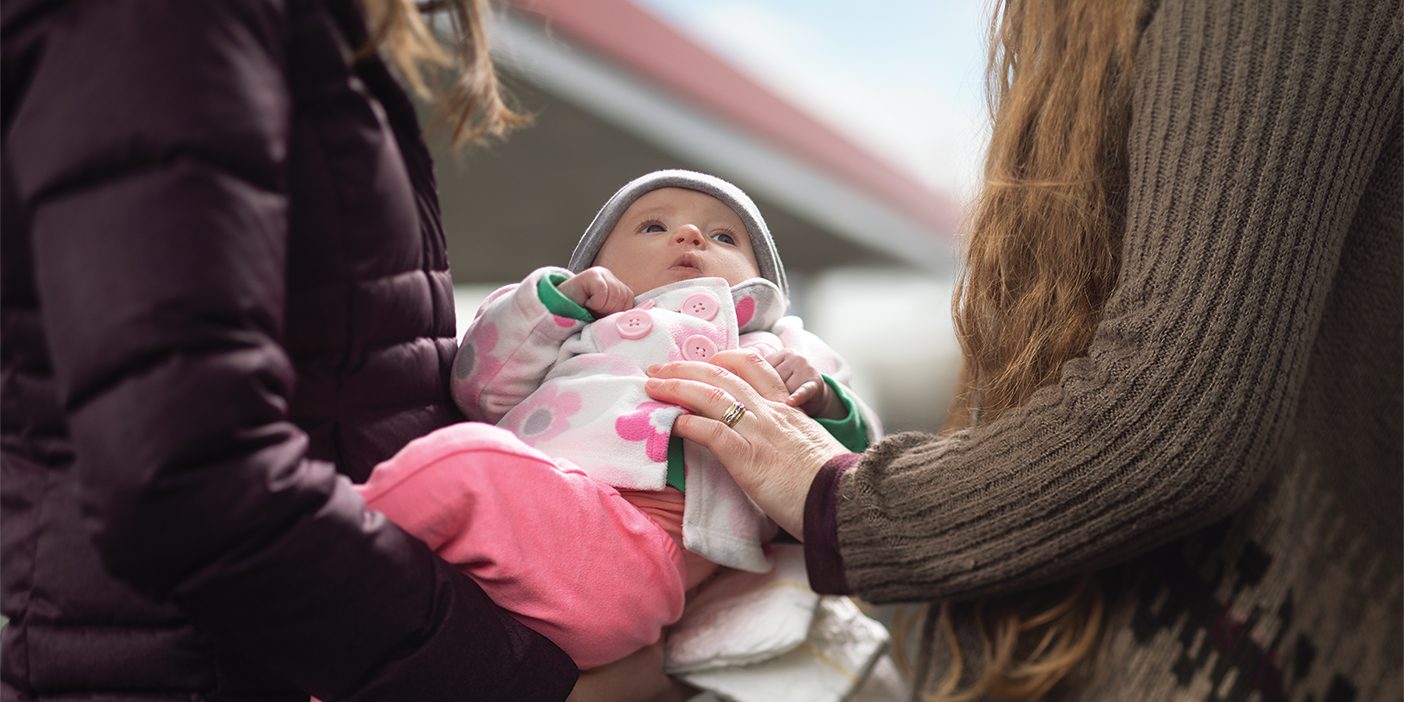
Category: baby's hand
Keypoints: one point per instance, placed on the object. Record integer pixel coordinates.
(808, 391)
(598, 290)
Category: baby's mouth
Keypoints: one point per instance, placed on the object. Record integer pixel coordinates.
(687, 263)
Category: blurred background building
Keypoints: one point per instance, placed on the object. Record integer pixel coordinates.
(858, 148)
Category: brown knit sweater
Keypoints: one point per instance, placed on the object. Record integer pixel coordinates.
(1234, 431)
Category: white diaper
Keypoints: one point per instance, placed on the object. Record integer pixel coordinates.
(766, 637)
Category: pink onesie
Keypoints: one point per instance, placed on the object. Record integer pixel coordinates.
(564, 553)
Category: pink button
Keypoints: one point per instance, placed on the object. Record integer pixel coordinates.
(634, 324)
(698, 348)
(700, 305)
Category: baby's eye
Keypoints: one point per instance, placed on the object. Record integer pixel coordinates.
(653, 228)
(724, 237)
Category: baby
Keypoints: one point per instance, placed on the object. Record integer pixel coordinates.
(589, 521)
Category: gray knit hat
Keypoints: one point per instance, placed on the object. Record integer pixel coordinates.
(769, 261)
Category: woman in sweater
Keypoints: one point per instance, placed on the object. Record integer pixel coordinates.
(225, 286)
(1174, 468)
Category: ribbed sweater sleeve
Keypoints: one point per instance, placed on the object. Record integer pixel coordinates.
(1255, 128)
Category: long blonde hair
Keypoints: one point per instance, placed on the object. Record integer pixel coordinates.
(460, 79)
(1043, 253)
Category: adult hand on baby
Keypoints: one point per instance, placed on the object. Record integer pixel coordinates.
(808, 391)
(773, 451)
(598, 290)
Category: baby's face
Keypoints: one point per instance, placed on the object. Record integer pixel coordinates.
(673, 234)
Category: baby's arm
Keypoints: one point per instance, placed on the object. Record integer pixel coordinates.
(808, 391)
(514, 340)
(599, 291)
(817, 378)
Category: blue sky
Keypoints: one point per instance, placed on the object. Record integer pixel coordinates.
(904, 78)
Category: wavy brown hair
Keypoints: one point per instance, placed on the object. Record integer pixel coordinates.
(1042, 255)
(459, 78)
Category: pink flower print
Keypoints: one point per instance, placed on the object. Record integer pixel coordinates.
(641, 425)
(473, 366)
(544, 415)
(745, 310)
(474, 355)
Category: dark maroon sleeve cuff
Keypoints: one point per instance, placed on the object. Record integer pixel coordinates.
(821, 548)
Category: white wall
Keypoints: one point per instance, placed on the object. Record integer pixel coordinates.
(895, 328)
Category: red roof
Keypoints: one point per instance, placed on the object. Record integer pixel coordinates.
(629, 35)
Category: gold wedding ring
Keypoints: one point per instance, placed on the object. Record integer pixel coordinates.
(733, 414)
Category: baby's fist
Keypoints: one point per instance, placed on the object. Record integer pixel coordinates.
(808, 391)
(598, 290)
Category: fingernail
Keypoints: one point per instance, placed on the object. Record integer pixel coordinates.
(652, 383)
(653, 368)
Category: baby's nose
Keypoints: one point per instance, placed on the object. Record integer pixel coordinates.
(689, 234)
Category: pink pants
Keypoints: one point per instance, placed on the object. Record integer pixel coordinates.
(564, 554)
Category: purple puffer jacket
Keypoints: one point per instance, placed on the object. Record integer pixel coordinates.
(224, 283)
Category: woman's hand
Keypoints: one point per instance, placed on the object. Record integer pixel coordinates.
(638, 677)
(773, 452)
